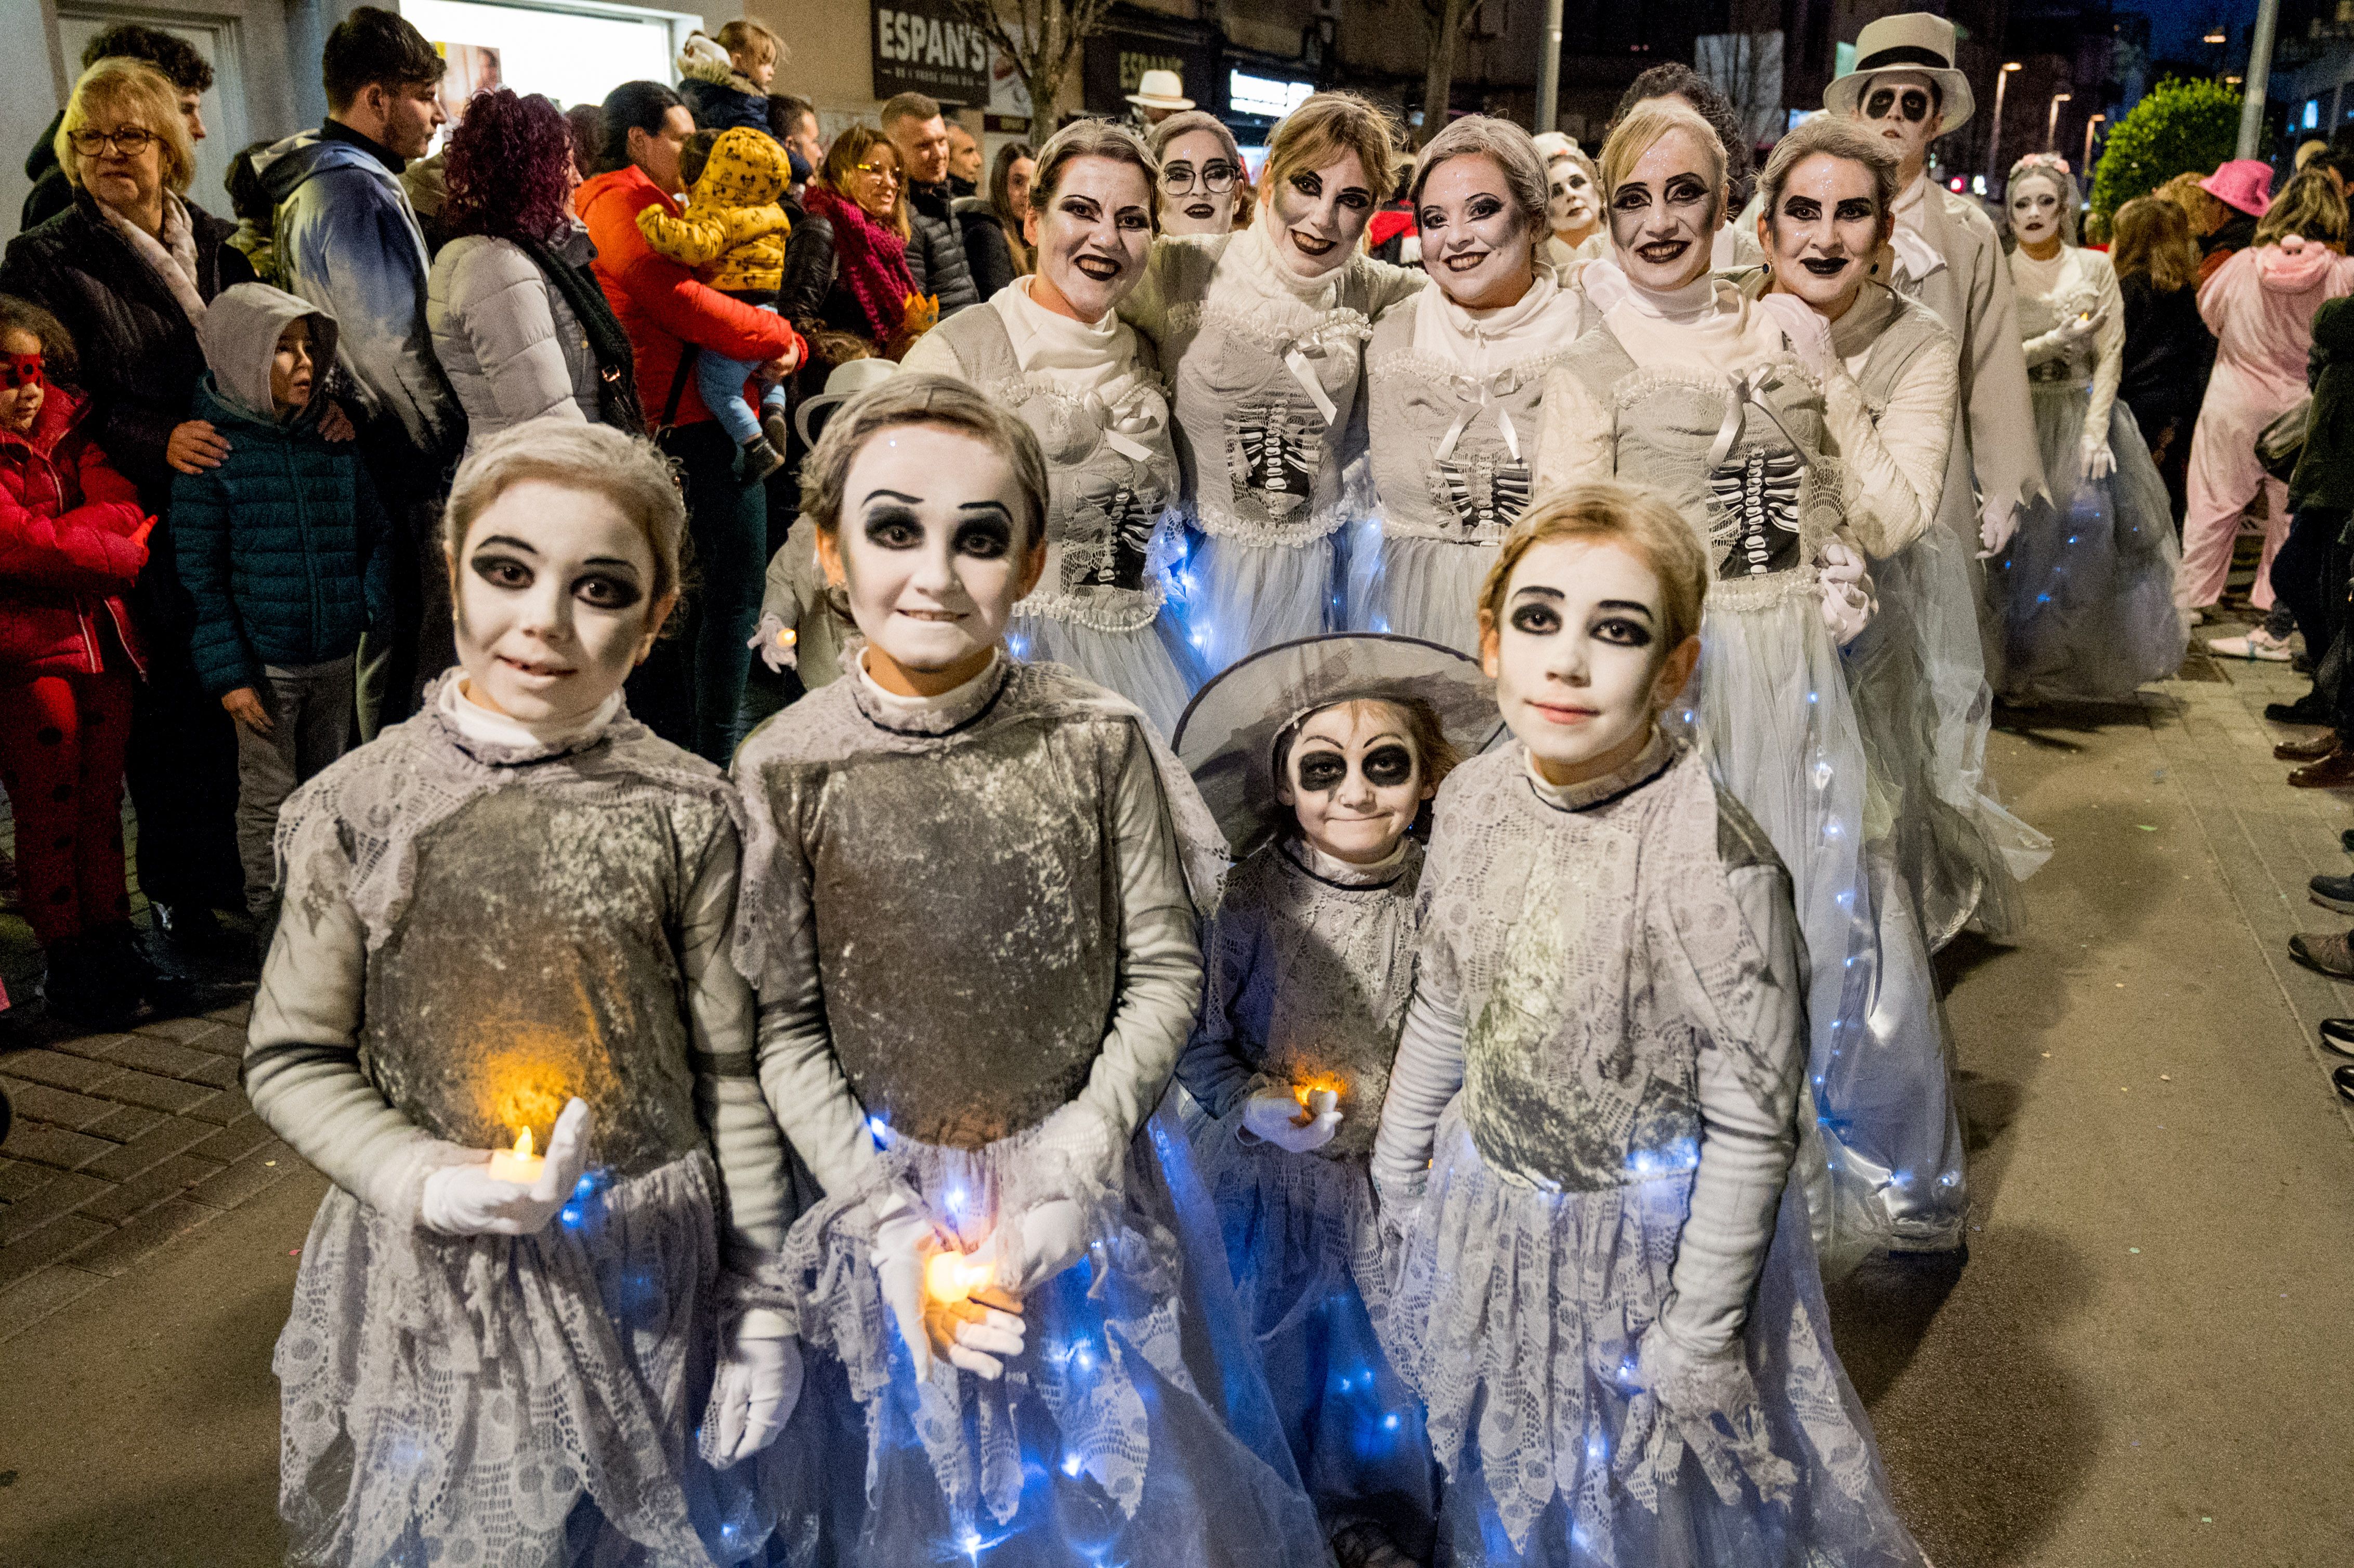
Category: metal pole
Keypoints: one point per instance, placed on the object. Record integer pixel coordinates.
(2052, 121)
(1549, 68)
(1994, 137)
(2260, 70)
(2084, 168)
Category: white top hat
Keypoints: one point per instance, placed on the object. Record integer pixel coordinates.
(845, 381)
(1161, 90)
(1917, 41)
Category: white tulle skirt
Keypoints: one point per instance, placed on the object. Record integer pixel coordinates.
(2085, 593)
(1417, 587)
(1151, 666)
(1239, 598)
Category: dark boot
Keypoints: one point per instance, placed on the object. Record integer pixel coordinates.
(84, 988)
(2335, 771)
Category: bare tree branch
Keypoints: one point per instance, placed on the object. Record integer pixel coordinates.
(1043, 39)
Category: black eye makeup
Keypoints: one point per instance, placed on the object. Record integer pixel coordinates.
(1388, 766)
(607, 590)
(1323, 770)
(894, 527)
(1624, 631)
(1535, 617)
(1686, 190)
(987, 538)
(1309, 185)
(502, 571)
(1858, 210)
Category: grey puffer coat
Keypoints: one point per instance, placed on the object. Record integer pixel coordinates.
(509, 344)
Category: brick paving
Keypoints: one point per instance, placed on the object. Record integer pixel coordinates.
(122, 1143)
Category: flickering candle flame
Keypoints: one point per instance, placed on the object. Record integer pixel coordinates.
(1316, 1095)
(786, 637)
(518, 1165)
(955, 1276)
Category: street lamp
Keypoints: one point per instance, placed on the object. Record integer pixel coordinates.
(2086, 166)
(2052, 121)
(1994, 137)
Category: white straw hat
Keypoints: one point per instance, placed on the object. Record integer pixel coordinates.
(1161, 90)
(1917, 40)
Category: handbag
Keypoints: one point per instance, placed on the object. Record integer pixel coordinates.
(2280, 443)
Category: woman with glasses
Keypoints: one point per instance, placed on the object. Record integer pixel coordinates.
(1201, 169)
(846, 286)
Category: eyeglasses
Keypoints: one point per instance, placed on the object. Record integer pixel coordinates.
(130, 140)
(1912, 101)
(1217, 177)
(879, 171)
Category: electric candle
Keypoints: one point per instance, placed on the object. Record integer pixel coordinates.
(955, 1276)
(518, 1165)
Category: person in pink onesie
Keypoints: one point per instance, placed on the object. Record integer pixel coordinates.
(2260, 306)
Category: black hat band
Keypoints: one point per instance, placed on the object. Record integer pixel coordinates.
(1903, 55)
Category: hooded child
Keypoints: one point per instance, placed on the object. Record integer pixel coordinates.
(724, 78)
(1605, 1296)
(971, 903)
(505, 923)
(1324, 754)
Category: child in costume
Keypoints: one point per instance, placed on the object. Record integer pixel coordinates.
(732, 234)
(966, 911)
(1324, 753)
(1605, 1294)
(509, 914)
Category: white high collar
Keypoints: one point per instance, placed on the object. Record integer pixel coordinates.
(485, 727)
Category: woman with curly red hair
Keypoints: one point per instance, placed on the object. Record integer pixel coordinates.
(519, 323)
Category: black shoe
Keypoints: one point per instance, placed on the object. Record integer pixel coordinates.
(756, 461)
(2337, 1036)
(777, 429)
(2308, 709)
(82, 987)
(2333, 892)
(2345, 840)
(188, 926)
(2344, 1079)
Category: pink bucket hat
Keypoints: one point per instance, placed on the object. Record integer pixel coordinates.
(2243, 184)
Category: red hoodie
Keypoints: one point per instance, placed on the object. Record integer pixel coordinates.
(659, 304)
(72, 537)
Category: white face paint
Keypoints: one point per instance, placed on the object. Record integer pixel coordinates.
(1476, 244)
(1888, 106)
(554, 604)
(2035, 209)
(1092, 238)
(1822, 234)
(1580, 662)
(1321, 214)
(1664, 215)
(1355, 780)
(1189, 165)
(1570, 200)
(934, 548)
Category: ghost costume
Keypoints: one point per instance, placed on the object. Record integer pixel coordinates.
(969, 924)
(1265, 366)
(1452, 408)
(2085, 593)
(1605, 1294)
(1092, 394)
(480, 922)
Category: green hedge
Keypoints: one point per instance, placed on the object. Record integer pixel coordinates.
(2181, 124)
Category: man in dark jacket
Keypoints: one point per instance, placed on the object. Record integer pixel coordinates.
(936, 246)
(167, 52)
(2314, 583)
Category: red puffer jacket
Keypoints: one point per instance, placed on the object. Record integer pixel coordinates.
(72, 536)
(659, 304)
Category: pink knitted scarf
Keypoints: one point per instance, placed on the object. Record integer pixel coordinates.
(869, 259)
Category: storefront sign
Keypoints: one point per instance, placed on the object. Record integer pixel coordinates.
(921, 47)
(1116, 62)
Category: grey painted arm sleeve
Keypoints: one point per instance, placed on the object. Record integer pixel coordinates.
(1427, 1076)
(745, 1139)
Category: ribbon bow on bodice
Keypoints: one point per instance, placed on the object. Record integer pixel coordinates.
(1479, 393)
(1748, 390)
(1336, 329)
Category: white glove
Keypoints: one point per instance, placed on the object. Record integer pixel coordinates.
(1848, 605)
(2076, 329)
(1808, 333)
(1274, 1116)
(464, 1200)
(2099, 461)
(1032, 1247)
(1397, 1201)
(778, 655)
(1996, 525)
(759, 1383)
(975, 1334)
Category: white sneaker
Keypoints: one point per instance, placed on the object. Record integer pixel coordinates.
(2257, 644)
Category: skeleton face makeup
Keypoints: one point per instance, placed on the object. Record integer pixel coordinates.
(1355, 780)
(935, 545)
(2035, 210)
(1321, 214)
(1093, 237)
(1901, 106)
(1570, 200)
(1822, 233)
(1197, 185)
(1475, 243)
(553, 611)
(22, 388)
(1664, 215)
(1579, 661)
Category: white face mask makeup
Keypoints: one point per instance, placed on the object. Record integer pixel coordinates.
(1902, 107)
(934, 548)
(1475, 243)
(1197, 185)
(1319, 216)
(553, 602)
(2035, 208)
(1579, 662)
(1664, 215)
(1092, 237)
(1822, 235)
(1355, 780)
(1570, 200)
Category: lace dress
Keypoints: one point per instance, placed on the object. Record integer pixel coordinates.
(1605, 1292)
(975, 952)
(1267, 369)
(472, 935)
(1308, 971)
(2086, 594)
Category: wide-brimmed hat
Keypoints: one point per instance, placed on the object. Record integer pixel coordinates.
(2243, 185)
(845, 381)
(1227, 737)
(1917, 40)
(1161, 90)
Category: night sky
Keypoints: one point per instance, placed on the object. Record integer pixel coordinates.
(2175, 26)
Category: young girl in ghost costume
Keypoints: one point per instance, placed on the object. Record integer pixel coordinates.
(512, 913)
(1453, 376)
(1263, 334)
(1049, 348)
(2085, 593)
(968, 913)
(1739, 411)
(1323, 753)
(1605, 1294)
